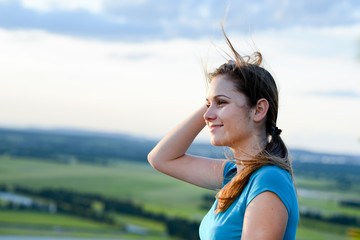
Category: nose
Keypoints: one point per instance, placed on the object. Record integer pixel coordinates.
(209, 114)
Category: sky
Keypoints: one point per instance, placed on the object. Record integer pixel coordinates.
(137, 66)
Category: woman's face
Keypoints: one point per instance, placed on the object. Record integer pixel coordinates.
(228, 116)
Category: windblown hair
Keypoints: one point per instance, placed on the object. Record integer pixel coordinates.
(255, 83)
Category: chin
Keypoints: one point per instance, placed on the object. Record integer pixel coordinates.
(217, 143)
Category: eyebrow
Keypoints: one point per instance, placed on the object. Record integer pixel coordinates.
(217, 96)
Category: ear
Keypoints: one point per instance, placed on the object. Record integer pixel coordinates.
(261, 109)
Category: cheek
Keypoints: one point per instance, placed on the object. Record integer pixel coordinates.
(235, 117)
(241, 121)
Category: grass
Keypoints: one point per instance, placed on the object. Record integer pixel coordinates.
(45, 224)
(150, 225)
(329, 207)
(329, 187)
(313, 234)
(329, 228)
(140, 183)
(311, 184)
(48, 219)
(50, 233)
(126, 180)
(30, 223)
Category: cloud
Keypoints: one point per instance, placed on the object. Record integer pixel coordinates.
(93, 6)
(337, 94)
(149, 19)
(75, 23)
(147, 88)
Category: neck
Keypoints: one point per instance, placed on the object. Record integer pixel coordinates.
(250, 148)
(248, 151)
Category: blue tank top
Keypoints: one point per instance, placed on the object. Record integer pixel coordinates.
(228, 225)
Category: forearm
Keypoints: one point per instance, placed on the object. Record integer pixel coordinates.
(176, 143)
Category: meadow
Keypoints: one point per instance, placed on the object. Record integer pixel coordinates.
(156, 192)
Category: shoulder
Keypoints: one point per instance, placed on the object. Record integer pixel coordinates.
(273, 179)
(271, 175)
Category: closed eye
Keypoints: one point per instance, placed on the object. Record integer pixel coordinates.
(218, 103)
(217, 100)
(221, 102)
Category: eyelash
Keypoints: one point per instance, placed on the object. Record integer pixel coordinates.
(219, 103)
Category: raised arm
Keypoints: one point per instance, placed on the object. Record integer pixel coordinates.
(169, 155)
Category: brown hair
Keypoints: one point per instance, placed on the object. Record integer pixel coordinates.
(255, 83)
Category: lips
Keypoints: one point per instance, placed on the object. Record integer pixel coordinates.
(213, 127)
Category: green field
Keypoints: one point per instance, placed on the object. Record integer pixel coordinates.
(140, 183)
(126, 180)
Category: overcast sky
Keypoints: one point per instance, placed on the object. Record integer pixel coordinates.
(137, 66)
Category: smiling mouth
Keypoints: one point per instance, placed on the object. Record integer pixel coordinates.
(214, 127)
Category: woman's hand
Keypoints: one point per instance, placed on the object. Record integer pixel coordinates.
(169, 155)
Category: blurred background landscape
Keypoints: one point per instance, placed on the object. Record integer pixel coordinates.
(88, 87)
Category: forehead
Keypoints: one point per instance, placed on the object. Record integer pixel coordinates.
(221, 85)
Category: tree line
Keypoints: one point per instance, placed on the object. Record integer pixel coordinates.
(68, 147)
(101, 148)
(342, 219)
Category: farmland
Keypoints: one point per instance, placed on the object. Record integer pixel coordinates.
(139, 183)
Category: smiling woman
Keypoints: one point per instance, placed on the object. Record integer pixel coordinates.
(257, 197)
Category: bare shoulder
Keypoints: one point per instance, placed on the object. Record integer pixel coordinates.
(265, 217)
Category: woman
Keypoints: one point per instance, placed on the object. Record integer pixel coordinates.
(257, 197)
